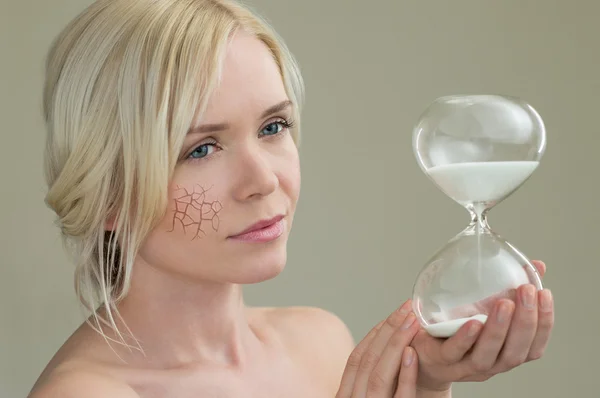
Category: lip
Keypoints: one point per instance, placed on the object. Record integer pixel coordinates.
(259, 226)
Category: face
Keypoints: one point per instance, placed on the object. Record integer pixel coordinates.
(238, 171)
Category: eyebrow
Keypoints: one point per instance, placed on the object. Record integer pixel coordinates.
(211, 128)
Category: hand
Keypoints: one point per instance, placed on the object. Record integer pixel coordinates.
(383, 365)
(517, 331)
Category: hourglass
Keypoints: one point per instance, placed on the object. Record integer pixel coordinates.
(478, 149)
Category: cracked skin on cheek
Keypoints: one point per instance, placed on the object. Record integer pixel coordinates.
(194, 212)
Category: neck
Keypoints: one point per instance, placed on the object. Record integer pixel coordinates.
(186, 323)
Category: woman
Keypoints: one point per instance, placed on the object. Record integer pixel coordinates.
(173, 168)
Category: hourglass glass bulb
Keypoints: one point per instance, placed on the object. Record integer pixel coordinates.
(478, 149)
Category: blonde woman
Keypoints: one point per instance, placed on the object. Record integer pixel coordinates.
(172, 165)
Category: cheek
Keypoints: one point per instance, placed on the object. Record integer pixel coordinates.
(291, 176)
(188, 231)
(194, 211)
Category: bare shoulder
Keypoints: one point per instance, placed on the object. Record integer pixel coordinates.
(317, 336)
(81, 383)
(315, 324)
(74, 372)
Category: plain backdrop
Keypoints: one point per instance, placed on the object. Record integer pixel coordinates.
(368, 219)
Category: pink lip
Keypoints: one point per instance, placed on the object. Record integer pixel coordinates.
(262, 231)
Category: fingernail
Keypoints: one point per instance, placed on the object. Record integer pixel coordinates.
(503, 313)
(528, 297)
(408, 356)
(546, 300)
(410, 319)
(474, 329)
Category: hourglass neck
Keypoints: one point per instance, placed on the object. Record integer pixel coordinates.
(479, 216)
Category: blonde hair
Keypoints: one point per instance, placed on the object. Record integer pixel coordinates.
(124, 81)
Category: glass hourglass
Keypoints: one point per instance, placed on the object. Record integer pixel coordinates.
(478, 149)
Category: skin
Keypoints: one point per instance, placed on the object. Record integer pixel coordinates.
(239, 165)
(192, 212)
(383, 364)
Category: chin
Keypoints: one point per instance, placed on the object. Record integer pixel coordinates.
(262, 268)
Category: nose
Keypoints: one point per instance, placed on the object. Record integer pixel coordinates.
(256, 175)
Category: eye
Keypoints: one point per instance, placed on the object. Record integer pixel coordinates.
(275, 127)
(202, 151)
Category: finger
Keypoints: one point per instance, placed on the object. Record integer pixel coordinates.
(407, 380)
(454, 349)
(540, 266)
(522, 330)
(370, 358)
(491, 339)
(383, 378)
(353, 363)
(544, 325)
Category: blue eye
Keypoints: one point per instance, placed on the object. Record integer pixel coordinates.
(274, 128)
(202, 151)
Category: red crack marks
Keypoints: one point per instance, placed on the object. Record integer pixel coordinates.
(193, 211)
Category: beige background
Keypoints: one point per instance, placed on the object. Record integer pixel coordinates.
(368, 218)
